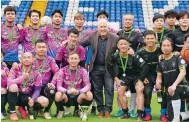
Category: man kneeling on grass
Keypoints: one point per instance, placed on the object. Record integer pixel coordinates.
(72, 84)
(170, 80)
(24, 86)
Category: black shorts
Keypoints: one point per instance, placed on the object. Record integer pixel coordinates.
(152, 79)
(22, 99)
(128, 81)
(72, 100)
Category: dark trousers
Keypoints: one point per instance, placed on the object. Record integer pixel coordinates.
(102, 79)
(187, 73)
(148, 88)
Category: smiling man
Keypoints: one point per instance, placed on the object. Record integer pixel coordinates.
(71, 46)
(103, 44)
(179, 35)
(150, 54)
(72, 83)
(136, 38)
(171, 73)
(30, 34)
(24, 86)
(55, 34)
(47, 67)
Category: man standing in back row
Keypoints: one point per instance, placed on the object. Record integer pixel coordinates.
(103, 45)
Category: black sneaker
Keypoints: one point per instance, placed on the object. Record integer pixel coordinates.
(140, 118)
(124, 116)
(140, 115)
(76, 113)
(93, 110)
(4, 113)
(32, 113)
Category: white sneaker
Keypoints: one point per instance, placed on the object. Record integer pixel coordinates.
(84, 118)
(128, 93)
(47, 115)
(31, 117)
(2, 117)
(68, 111)
(60, 114)
(175, 120)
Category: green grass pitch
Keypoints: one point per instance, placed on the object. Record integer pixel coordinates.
(69, 118)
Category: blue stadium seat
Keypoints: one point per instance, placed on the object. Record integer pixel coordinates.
(116, 9)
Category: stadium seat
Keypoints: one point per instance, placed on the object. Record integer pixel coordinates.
(143, 10)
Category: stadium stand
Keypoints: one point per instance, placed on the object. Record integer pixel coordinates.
(143, 10)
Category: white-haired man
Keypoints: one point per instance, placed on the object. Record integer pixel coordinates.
(103, 44)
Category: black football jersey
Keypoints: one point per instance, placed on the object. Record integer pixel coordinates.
(178, 38)
(161, 36)
(151, 58)
(136, 66)
(136, 38)
(170, 69)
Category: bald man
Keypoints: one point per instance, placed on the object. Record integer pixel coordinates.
(24, 86)
(103, 44)
(135, 38)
